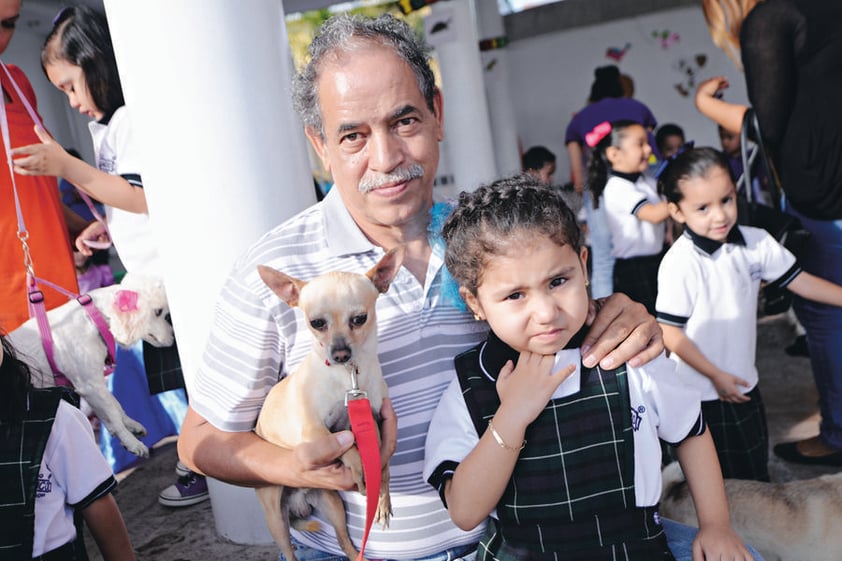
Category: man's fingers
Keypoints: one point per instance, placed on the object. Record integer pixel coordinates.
(324, 451)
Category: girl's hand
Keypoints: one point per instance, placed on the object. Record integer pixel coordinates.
(47, 158)
(710, 87)
(526, 388)
(94, 233)
(727, 387)
(719, 542)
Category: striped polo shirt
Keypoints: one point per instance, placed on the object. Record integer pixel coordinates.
(256, 338)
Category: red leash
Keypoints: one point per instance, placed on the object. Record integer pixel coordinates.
(365, 435)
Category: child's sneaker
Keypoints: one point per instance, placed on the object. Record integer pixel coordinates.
(181, 470)
(190, 489)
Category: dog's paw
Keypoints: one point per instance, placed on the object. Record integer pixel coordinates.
(134, 427)
(384, 511)
(137, 448)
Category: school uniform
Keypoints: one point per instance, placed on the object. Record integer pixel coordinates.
(588, 481)
(710, 289)
(637, 245)
(51, 469)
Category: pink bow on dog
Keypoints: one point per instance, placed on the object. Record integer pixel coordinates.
(125, 301)
(597, 134)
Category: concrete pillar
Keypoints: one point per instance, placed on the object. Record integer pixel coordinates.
(224, 159)
(468, 145)
(495, 65)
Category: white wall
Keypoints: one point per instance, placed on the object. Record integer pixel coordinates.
(551, 75)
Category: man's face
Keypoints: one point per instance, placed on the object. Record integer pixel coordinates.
(380, 138)
(9, 14)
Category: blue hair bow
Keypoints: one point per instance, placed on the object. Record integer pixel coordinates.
(684, 147)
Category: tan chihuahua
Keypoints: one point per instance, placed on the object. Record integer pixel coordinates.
(339, 308)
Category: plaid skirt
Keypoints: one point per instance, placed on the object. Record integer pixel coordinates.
(163, 368)
(741, 436)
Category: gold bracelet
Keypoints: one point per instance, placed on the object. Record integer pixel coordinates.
(501, 442)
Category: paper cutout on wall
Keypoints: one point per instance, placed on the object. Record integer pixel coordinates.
(688, 68)
(616, 53)
(666, 38)
(439, 26)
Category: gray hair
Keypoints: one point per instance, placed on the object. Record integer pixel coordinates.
(338, 34)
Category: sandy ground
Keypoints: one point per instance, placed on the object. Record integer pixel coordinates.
(188, 534)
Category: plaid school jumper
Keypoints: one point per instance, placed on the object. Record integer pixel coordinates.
(21, 451)
(571, 494)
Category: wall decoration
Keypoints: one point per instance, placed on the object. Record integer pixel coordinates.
(666, 38)
(689, 69)
(616, 53)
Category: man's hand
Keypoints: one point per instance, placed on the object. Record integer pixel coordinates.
(621, 331)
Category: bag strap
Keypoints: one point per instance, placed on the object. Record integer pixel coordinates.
(750, 130)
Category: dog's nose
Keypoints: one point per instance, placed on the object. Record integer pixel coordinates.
(340, 355)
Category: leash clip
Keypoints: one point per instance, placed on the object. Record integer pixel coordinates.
(355, 392)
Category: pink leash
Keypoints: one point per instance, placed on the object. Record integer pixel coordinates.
(36, 297)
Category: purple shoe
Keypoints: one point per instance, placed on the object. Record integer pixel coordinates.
(190, 489)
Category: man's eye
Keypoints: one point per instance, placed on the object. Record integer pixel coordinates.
(318, 324)
(8, 23)
(359, 320)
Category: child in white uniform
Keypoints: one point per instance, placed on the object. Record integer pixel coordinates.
(564, 458)
(636, 215)
(707, 304)
(50, 471)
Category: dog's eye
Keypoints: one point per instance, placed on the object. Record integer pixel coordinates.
(359, 320)
(158, 312)
(318, 324)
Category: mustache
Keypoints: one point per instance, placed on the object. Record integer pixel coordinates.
(401, 175)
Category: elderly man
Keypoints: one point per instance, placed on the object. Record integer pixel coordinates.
(375, 117)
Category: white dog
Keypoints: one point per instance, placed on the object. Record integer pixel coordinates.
(135, 309)
(792, 521)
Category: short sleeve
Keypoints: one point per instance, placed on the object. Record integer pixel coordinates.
(677, 287)
(621, 197)
(677, 404)
(778, 264)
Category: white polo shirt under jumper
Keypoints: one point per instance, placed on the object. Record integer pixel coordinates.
(623, 198)
(710, 290)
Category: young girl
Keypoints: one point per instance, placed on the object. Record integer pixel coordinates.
(620, 154)
(78, 59)
(49, 471)
(565, 459)
(707, 304)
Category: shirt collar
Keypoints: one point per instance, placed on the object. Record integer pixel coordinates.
(710, 246)
(494, 353)
(633, 177)
(343, 235)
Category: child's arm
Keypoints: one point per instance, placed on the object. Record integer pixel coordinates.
(716, 538)
(481, 478)
(817, 289)
(49, 158)
(653, 212)
(726, 384)
(108, 529)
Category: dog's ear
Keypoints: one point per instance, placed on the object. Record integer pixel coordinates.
(384, 272)
(286, 287)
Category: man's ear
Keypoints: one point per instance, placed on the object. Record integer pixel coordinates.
(318, 142)
(438, 105)
(472, 302)
(675, 213)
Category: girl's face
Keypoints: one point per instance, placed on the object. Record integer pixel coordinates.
(632, 155)
(535, 298)
(70, 79)
(709, 204)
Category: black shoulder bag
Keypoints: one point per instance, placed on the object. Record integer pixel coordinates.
(787, 229)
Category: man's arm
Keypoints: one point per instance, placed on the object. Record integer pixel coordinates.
(243, 458)
(621, 331)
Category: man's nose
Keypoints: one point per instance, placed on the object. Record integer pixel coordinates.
(385, 152)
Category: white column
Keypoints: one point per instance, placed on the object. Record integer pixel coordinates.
(224, 159)
(468, 146)
(501, 114)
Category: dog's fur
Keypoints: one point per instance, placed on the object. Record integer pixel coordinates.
(79, 351)
(339, 309)
(792, 521)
